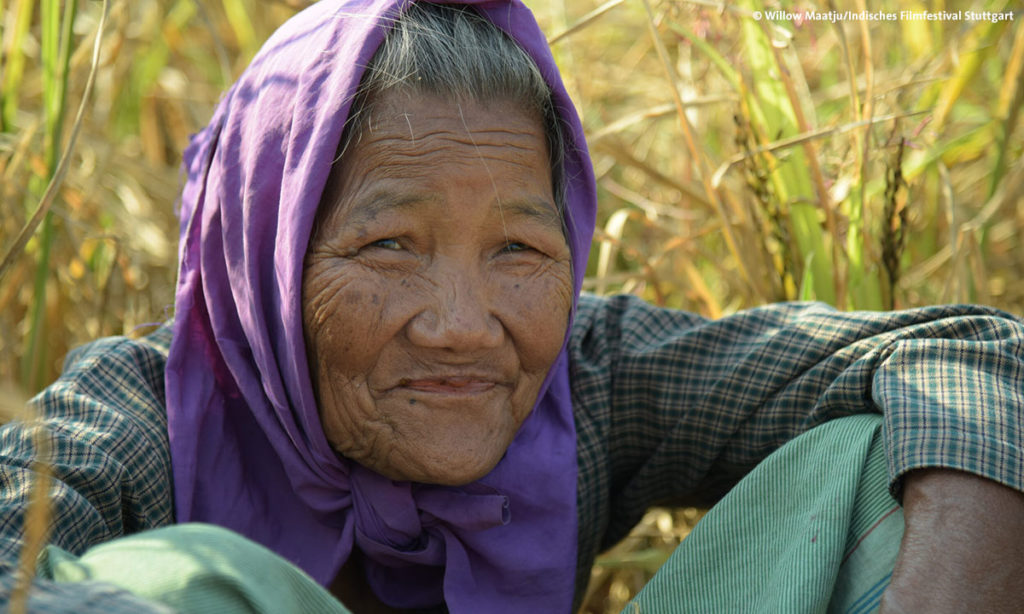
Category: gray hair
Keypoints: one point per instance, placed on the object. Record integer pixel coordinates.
(453, 52)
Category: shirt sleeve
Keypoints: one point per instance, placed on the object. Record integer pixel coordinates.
(672, 407)
(109, 458)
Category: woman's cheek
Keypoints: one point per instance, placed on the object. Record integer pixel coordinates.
(340, 310)
(538, 307)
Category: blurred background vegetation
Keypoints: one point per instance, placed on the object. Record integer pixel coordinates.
(871, 165)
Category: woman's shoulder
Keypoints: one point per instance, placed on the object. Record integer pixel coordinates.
(108, 443)
(623, 322)
(151, 347)
(121, 373)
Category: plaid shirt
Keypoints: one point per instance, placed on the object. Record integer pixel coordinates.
(670, 408)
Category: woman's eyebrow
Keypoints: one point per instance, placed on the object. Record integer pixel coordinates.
(539, 210)
(367, 209)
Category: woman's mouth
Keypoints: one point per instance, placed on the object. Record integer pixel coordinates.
(449, 385)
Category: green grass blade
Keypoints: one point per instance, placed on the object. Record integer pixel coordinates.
(56, 45)
(14, 63)
(238, 17)
(790, 177)
(1011, 99)
(711, 53)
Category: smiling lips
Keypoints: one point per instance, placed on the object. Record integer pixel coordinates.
(449, 385)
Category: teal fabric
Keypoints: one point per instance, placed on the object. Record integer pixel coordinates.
(195, 569)
(811, 529)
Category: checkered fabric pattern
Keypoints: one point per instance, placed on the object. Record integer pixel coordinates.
(673, 408)
(670, 408)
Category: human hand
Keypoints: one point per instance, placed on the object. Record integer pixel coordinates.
(963, 546)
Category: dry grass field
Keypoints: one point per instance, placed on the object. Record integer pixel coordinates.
(871, 164)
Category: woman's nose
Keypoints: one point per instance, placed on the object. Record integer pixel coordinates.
(458, 316)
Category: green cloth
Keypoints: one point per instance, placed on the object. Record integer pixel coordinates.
(811, 529)
(195, 568)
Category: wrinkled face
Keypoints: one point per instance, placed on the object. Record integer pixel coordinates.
(436, 291)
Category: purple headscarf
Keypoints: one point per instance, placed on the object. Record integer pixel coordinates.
(247, 448)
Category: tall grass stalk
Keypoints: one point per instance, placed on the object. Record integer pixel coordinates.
(37, 519)
(822, 263)
(696, 153)
(13, 406)
(57, 42)
(1011, 99)
(585, 21)
(241, 23)
(14, 61)
(775, 114)
(54, 104)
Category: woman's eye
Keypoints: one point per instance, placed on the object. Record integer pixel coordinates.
(515, 246)
(386, 244)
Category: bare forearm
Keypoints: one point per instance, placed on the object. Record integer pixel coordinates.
(962, 546)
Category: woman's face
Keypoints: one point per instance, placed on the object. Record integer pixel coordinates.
(437, 288)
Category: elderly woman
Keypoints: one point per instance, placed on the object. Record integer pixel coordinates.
(381, 368)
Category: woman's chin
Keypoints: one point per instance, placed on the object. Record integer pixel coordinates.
(445, 441)
(444, 468)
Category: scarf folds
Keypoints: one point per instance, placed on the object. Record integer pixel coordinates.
(248, 451)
